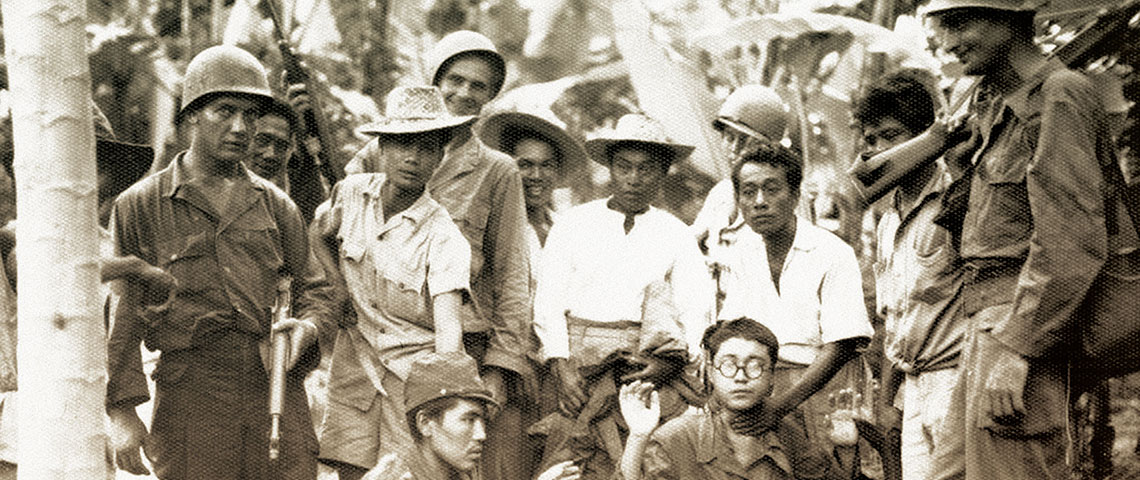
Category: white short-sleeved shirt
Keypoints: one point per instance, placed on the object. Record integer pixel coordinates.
(820, 295)
(592, 269)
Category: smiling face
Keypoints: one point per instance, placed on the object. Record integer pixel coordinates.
(224, 127)
(411, 159)
(765, 199)
(467, 84)
(978, 41)
(457, 436)
(272, 145)
(636, 176)
(750, 359)
(538, 166)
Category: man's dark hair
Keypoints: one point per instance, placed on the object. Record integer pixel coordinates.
(513, 134)
(775, 155)
(905, 95)
(661, 155)
(283, 110)
(433, 410)
(744, 328)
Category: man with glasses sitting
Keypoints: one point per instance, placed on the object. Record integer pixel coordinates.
(741, 355)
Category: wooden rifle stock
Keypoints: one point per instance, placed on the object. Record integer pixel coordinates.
(279, 360)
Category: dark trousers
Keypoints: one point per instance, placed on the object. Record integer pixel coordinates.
(211, 416)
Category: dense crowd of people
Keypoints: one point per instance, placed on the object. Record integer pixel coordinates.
(471, 331)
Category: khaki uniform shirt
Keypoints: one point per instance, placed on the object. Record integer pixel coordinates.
(482, 191)
(393, 270)
(227, 265)
(918, 280)
(696, 446)
(1037, 196)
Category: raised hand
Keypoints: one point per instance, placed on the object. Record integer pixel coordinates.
(640, 407)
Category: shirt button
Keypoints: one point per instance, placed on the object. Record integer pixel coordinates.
(174, 257)
(375, 306)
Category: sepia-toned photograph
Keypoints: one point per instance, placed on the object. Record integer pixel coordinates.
(570, 240)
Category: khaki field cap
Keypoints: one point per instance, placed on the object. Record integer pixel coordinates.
(465, 41)
(415, 110)
(497, 126)
(223, 69)
(443, 375)
(939, 6)
(635, 128)
(754, 110)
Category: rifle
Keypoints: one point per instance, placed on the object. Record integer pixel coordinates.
(311, 122)
(1112, 29)
(279, 359)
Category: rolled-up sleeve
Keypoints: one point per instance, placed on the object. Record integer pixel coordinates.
(655, 462)
(449, 261)
(1068, 244)
(842, 312)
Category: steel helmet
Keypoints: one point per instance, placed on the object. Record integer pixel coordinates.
(466, 41)
(939, 6)
(755, 110)
(223, 69)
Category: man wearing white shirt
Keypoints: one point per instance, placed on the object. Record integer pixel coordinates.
(606, 286)
(799, 280)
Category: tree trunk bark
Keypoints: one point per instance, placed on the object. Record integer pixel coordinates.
(61, 348)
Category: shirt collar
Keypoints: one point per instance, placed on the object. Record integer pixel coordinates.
(939, 181)
(463, 153)
(1018, 101)
(180, 178)
(806, 237)
(420, 210)
(713, 445)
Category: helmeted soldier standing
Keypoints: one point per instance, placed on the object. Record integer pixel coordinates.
(1034, 235)
(227, 236)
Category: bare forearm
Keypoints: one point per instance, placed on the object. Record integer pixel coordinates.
(448, 328)
(631, 457)
(832, 357)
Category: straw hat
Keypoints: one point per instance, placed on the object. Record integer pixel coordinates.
(415, 110)
(573, 155)
(635, 128)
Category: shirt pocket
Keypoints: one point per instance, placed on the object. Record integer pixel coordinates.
(1007, 196)
(935, 267)
(190, 260)
(258, 240)
(404, 284)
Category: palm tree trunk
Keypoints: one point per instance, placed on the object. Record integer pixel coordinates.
(61, 351)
